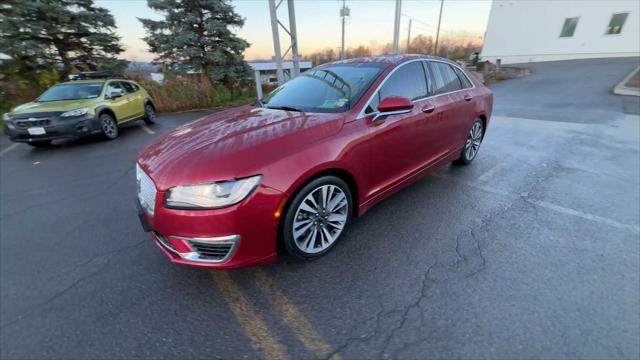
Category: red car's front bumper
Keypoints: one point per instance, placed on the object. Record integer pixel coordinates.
(240, 235)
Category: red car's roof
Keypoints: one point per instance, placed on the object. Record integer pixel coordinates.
(388, 59)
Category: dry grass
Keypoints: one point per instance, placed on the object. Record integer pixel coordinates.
(179, 94)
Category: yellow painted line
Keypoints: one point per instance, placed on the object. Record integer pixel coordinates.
(9, 148)
(146, 128)
(302, 328)
(252, 324)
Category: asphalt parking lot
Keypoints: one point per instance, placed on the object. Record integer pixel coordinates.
(532, 251)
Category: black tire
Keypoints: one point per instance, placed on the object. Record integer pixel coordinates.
(109, 126)
(291, 245)
(40, 143)
(472, 144)
(149, 114)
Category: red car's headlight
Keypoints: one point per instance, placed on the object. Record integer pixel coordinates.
(211, 196)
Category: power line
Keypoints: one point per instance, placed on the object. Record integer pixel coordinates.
(427, 24)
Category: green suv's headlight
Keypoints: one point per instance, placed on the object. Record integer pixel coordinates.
(6, 117)
(211, 196)
(76, 112)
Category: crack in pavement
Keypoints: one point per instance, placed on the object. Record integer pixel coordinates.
(439, 273)
(451, 271)
(430, 277)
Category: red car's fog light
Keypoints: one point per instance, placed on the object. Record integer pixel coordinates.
(179, 245)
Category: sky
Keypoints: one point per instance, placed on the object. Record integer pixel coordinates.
(318, 23)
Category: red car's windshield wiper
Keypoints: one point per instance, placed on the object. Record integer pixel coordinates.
(287, 108)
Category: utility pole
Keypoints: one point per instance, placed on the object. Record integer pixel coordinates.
(396, 28)
(276, 41)
(344, 12)
(409, 36)
(438, 31)
(294, 39)
(278, 56)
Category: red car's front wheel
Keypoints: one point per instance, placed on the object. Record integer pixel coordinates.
(317, 217)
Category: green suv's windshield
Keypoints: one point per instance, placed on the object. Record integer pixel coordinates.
(331, 88)
(72, 92)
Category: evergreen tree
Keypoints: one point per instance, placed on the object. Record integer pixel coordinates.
(75, 33)
(195, 36)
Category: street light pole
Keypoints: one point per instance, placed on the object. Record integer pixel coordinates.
(396, 28)
(438, 31)
(409, 36)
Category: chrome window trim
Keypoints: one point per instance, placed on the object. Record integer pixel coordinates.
(395, 112)
(361, 113)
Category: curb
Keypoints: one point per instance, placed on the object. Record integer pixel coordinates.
(621, 89)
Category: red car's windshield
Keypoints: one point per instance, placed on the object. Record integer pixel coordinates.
(331, 88)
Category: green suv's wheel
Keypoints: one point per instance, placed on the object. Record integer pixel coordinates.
(149, 114)
(109, 126)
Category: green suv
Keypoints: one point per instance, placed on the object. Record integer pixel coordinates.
(78, 108)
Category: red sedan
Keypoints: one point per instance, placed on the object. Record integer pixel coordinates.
(223, 191)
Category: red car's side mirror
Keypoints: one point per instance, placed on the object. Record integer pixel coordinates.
(395, 105)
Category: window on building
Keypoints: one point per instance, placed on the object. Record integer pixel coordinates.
(616, 23)
(569, 27)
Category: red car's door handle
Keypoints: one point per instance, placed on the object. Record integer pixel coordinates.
(428, 109)
(468, 97)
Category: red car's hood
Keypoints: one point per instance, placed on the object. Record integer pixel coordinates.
(231, 144)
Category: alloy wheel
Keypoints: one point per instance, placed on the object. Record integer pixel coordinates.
(472, 145)
(109, 127)
(151, 114)
(320, 219)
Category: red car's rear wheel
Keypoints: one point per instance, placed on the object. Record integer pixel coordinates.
(472, 144)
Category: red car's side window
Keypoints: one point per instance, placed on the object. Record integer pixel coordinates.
(445, 78)
(408, 81)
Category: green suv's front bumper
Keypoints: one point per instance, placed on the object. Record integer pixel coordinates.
(54, 126)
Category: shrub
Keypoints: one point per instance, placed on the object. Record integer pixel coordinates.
(178, 93)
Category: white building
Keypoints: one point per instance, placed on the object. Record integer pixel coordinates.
(521, 31)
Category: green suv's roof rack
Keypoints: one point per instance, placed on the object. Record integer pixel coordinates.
(89, 75)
